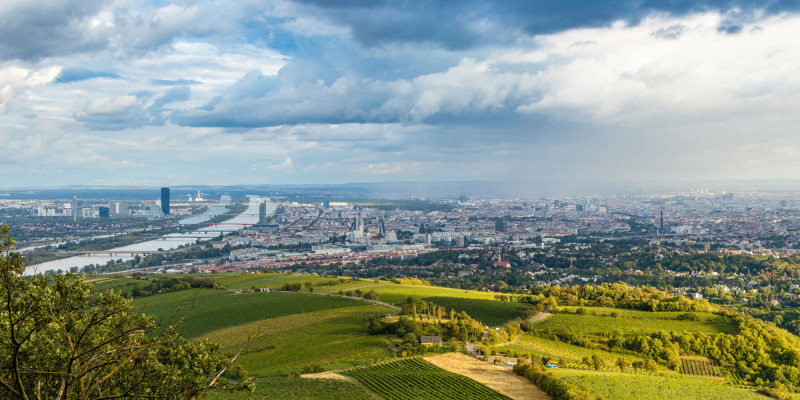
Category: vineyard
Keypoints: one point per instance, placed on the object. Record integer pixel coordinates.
(700, 368)
(415, 378)
(489, 312)
(621, 386)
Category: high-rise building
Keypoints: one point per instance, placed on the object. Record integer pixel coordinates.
(103, 212)
(381, 229)
(501, 226)
(74, 207)
(262, 213)
(165, 200)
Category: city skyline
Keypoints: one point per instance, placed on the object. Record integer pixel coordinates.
(206, 93)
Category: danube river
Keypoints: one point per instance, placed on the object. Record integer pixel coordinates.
(166, 242)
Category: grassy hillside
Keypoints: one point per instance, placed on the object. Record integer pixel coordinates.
(299, 389)
(489, 312)
(207, 310)
(329, 339)
(555, 350)
(598, 321)
(620, 386)
(415, 378)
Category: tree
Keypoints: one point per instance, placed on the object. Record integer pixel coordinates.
(54, 345)
(622, 363)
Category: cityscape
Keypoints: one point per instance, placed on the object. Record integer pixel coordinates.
(325, 200)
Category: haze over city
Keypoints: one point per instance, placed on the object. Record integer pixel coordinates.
(292, 92)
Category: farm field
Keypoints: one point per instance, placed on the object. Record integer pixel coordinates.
(330, 339)
(631, 321)
(414, 378)
(621, 386)
(699, 366)
(489, 312)
(394, 293)
(494, 376)
(209, 310)
(268, 280)
(299, 389)
(121, 284)
(556, 349)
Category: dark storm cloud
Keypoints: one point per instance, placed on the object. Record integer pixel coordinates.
(464, 24)
(35, 29)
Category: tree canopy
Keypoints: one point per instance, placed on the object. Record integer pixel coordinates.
(61, 340)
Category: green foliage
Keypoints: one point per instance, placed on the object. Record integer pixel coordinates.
(415, 378)
(54, 345)
(489, 312)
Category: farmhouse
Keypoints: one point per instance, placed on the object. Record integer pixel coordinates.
(430, 340)
(547, 363)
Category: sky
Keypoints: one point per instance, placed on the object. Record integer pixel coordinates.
(129, 92)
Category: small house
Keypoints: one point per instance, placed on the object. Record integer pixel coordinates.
(547, 363)
(430, 340)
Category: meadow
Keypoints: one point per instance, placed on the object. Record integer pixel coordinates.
(414, 378)
(621, 386)
(556, 349)
(489, 312)
(207, 310)
(630, 321)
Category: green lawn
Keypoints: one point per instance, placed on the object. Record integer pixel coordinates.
(631, 321)
(299, 389)
(208, 310)
(620, 386)
(489, 312)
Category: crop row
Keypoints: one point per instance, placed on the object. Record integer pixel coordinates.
(414, 378)
(700, 368)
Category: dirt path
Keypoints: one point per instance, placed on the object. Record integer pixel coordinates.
(542, 315)
(494, 376)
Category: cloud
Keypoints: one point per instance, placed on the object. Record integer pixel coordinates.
(69, 75)
(14, 78)
(174, 82)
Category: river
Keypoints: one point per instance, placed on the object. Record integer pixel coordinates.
(166, 242)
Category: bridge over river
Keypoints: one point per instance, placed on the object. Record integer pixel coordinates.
(167, 242)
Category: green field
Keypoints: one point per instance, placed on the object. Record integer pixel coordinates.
(416, 378)
(699, 367)
(299, 389)
(394, 293)
(208, 310)
(265, 280)
(556, 349)
(620, 386)
(489, 312)
(330, 339)
(630, 321)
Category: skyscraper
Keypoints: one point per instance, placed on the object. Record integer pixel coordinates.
(165, 200)
(262, 213)
(74, 207)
